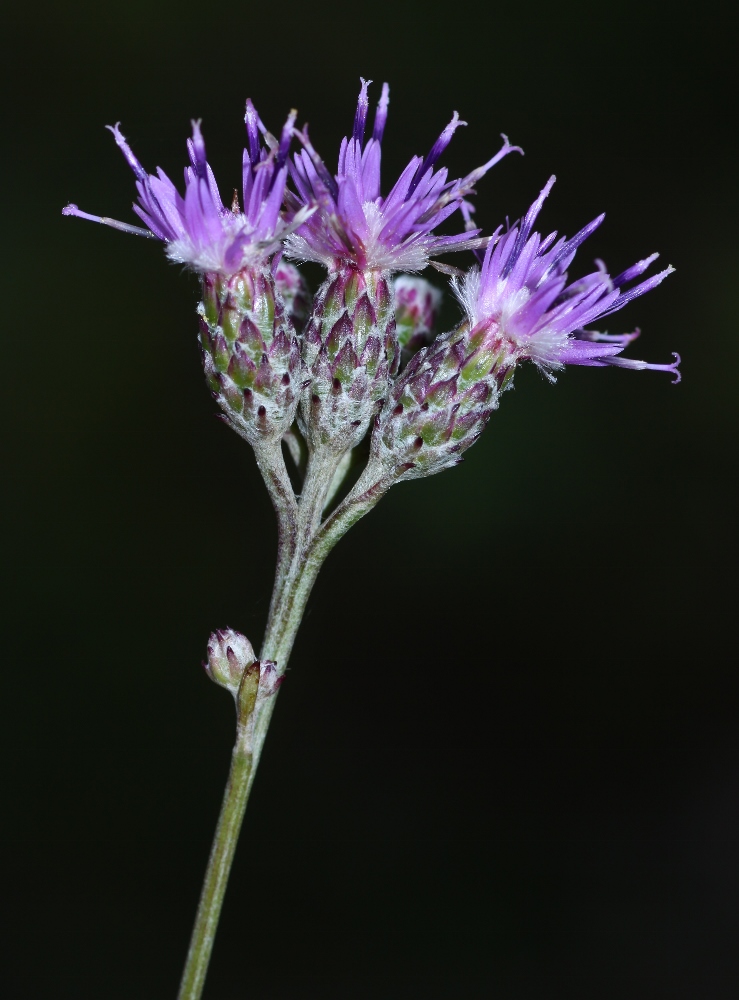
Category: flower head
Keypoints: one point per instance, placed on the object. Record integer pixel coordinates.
(198, 229)
(353, 224)
(521, 295)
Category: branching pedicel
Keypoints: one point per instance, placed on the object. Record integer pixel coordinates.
(355, 377)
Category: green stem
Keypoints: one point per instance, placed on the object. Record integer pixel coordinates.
(290, 559)
(271, 464)
(280, 636)
(303, 547)
(226, 837)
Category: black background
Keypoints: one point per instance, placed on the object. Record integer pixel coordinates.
(505, 760)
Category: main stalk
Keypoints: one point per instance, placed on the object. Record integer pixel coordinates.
(304, 543)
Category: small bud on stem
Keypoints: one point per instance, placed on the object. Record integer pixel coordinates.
(233, 665)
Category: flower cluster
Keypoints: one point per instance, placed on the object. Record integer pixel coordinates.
(354, 382)
(362, 352)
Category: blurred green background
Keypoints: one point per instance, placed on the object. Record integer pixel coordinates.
(505, 761)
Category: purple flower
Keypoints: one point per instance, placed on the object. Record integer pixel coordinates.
(354, 225)
(521, 297)
(198, 229)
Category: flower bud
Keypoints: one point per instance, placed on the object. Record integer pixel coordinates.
(229, 654)
(233, 665)
(269, 679)
(293, 288)
(416, 308)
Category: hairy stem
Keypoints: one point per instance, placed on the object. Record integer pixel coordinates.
(222, 852)
(271, 463)
(302, 526)
(304, 543)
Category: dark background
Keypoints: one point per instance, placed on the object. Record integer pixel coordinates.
(505, 762)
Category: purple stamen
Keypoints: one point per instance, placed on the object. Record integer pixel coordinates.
(251, 120)
(526, 226)
(632, 363)
(460, 189)
(113, 223)
(479, 172)
(467, 209)
(133, 163)
(321, 169)
(634, 293)
(378, 128)
(196, 145)
(570, 246)
(546, 243)
(624, 339)
(436, 150)
(634, 271)
(360, 116)
(287, 134)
